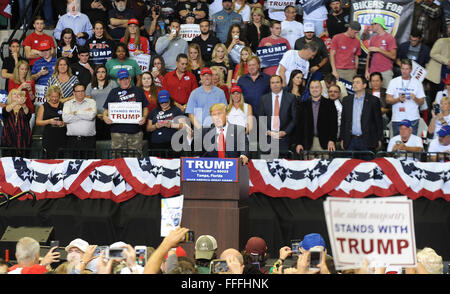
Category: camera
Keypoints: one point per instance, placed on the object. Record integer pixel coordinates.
(54, 244)
(99, 250)
(45, 68)
(141, 255)
(218, 266)
(315, 258)
(189, 237)
(436, 108)
(295, 247)
(115, 253)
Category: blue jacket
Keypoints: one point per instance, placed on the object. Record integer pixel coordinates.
(424, 53)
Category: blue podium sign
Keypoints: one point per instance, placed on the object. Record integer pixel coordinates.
(209, 169)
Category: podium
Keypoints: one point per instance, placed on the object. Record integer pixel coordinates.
(218, 208)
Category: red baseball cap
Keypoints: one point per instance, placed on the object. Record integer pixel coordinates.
(133, 21)
(179, 252)
(235, 88)
(43, 46)
(205, 71)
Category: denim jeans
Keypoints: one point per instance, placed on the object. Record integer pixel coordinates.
(22, 5)
(48, 13)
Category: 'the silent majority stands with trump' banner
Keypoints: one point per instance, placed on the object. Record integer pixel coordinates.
(121, 179)
(396, 13)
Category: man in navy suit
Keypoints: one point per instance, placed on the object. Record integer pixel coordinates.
(361, 120)
(279, 108)
(222, 139)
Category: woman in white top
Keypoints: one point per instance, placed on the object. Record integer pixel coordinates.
(239, 112)
(440, 119)
(241, 7)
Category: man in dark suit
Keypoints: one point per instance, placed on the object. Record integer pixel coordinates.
(361, 121)
(279, 109)
(222, 139)
(316, 122)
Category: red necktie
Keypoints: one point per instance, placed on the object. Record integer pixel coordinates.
(221, 150)
(276, 114)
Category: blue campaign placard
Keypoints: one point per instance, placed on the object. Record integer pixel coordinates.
(271, 56)
(209, 169)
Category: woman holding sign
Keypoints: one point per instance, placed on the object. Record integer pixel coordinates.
(49, 116)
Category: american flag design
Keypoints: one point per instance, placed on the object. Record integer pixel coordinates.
(121, 179)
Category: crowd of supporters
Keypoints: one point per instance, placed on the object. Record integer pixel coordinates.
(339, 98)
(169, 257)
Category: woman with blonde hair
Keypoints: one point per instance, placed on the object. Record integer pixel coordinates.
(195, 61)
(220, 58)
(239, 112)
(23, 82)
(218, 80)
(16, 121)
(50, 117)
(63, 77)
(257, 29)
(241, 68)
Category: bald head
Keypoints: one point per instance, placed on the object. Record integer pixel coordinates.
(232, 252)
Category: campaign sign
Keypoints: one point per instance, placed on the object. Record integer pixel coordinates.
(125, 112)
(40, 95)
(271, 55)
(418, 71)
(348, 86)
(279, 4)
(380, 230)
(189, 31)
(143, 60)
(209, 169)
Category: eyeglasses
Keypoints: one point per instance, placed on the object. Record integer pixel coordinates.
(79, 91)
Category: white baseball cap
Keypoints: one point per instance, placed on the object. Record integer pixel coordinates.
(79, 243)
(308, 27)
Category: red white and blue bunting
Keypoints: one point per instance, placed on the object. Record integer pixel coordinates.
(121, 179)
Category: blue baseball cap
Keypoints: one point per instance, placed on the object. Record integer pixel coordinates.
(122, 74)
(406, 123)
(163, 96)
(444, 131)
(311, 240)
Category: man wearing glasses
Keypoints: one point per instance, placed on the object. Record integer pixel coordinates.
(79, 115)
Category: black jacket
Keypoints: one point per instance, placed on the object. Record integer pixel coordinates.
(236, 142)
(326, 123)
(371, 121)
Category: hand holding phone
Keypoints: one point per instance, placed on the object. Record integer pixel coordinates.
(218, 266)
(189, 237)
(315, 258)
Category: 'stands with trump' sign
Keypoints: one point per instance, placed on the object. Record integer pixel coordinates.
(380, 230)
(125, 112)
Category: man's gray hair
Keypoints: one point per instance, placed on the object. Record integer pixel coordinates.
(313, 46)
(27, 249)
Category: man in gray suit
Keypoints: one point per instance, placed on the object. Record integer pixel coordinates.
(279, 111)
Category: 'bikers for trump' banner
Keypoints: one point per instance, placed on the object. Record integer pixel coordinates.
(397, 15)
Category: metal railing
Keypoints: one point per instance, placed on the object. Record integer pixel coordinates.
(18, 26)
(108, 153)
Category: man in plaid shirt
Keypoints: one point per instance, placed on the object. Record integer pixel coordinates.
(427, 19)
